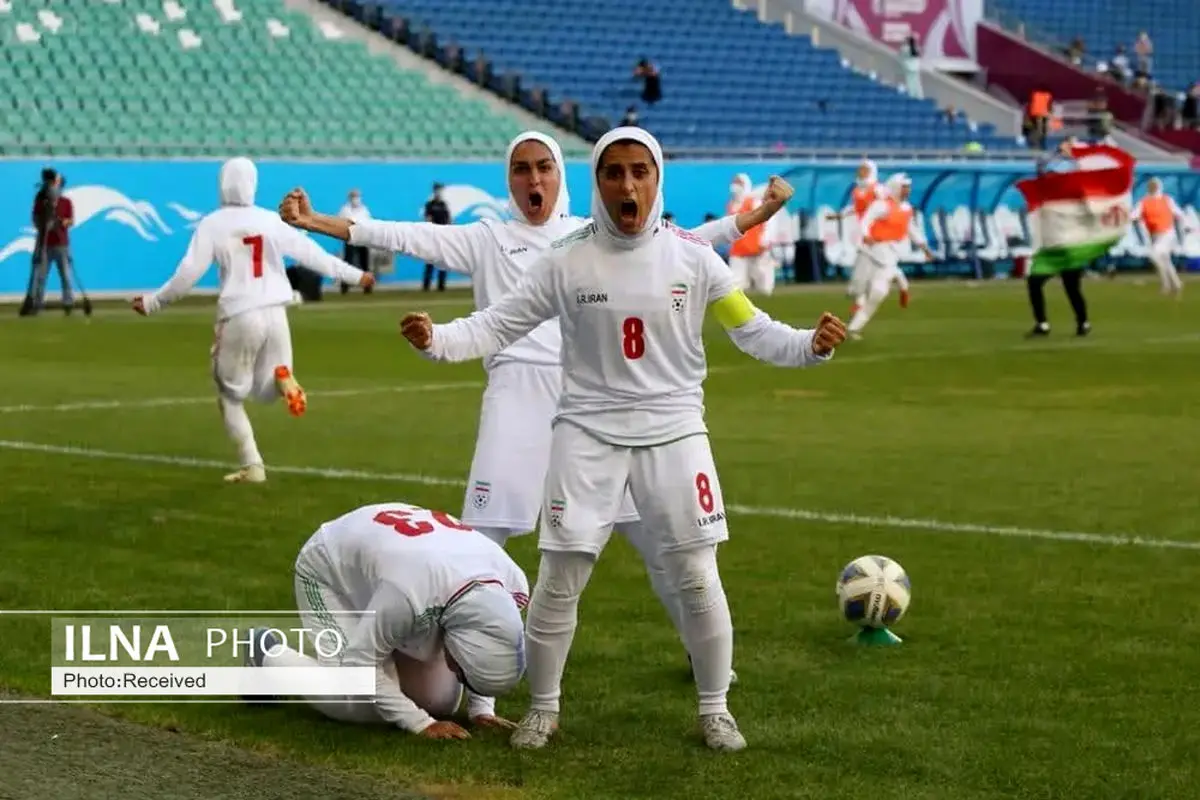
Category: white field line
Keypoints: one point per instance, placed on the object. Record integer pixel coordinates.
(909, 355)
(807, 515)
(158, 402)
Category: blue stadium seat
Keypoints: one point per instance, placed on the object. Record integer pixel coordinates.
(1173, 25)
(716, 92)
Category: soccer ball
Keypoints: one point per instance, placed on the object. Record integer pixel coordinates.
(873, 591)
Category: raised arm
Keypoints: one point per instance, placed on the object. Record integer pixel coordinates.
(494, 328)
(728, 229)
(296, 245)
(191, 269)
(756, 334)
(458, 248)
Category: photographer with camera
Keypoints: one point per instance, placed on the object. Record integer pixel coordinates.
(53, 214)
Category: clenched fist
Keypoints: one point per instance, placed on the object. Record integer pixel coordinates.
(295, 208)
(418, 329)
(829, 333)
(778, 192)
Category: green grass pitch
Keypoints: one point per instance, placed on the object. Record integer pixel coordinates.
(1043, 496)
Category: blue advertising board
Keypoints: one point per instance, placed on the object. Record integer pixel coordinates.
(133, 219)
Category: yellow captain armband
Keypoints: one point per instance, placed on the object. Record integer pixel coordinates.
(734, 310)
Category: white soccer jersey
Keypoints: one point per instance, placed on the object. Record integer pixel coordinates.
(632, 321)
(249, 245)
(496, 255)
(406, 564)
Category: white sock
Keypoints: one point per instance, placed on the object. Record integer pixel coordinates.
(284, 656)
(707, 626)
(550, 624)
(497, 535)
(237, 425)
(639, 536)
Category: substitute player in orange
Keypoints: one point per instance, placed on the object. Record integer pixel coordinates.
(887, 223)
(1158, 212)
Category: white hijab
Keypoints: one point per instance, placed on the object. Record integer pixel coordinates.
(606, 229)
(562, 207)
(741, 186)
(519, 230)
(485, 635)
(872, 173)
(238, 182)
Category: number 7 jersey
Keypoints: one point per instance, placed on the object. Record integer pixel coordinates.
(249, 245)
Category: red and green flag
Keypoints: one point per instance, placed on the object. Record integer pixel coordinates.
(1076, 217)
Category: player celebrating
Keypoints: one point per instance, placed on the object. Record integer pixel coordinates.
(512, 451)
(866, 190)
(631, 294)
(442, 611)
(887, 223)
(1159, 212)
(252, 347)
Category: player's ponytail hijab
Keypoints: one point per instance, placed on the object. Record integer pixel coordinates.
(606, 228)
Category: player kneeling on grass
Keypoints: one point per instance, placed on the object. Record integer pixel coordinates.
(252, 346)
(443, 612)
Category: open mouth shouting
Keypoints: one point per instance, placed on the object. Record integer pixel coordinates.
(628, 214)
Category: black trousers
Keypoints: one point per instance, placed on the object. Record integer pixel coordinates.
(356, 256)
(427, 281)
(1072, 281)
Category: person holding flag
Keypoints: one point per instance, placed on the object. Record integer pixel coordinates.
(1079, 207)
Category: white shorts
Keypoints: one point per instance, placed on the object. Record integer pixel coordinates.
(429, 683)
(675, 486)
(246, 350)
(1162, 244)
(512, 449)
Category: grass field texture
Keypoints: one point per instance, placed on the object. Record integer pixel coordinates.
(1042, 495)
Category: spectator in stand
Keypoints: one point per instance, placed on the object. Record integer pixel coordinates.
(630, 120)
(1076, 51)
(1118, 66)
(1099, 118)
(910, 54)
(355, 210)
(1191, 107)
(1037, 117)
(1143, 48)
(651, 81)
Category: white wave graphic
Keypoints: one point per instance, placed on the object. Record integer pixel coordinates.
(192, 217)
(105, 202)
(473, 203)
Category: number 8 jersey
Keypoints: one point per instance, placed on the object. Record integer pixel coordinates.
(632, 324)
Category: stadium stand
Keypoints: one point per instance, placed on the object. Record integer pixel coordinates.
(717, 91)
(210, 77)
(1173, 25)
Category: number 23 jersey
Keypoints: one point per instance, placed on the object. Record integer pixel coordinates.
(426, 556)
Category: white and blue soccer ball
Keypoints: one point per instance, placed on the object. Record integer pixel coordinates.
(873, 591)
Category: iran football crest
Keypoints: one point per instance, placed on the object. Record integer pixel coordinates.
(678, 297)
(556, 513)
(481, 494)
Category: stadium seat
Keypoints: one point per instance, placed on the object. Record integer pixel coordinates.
(717, 93)
(214, 77)
(1173, 25)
